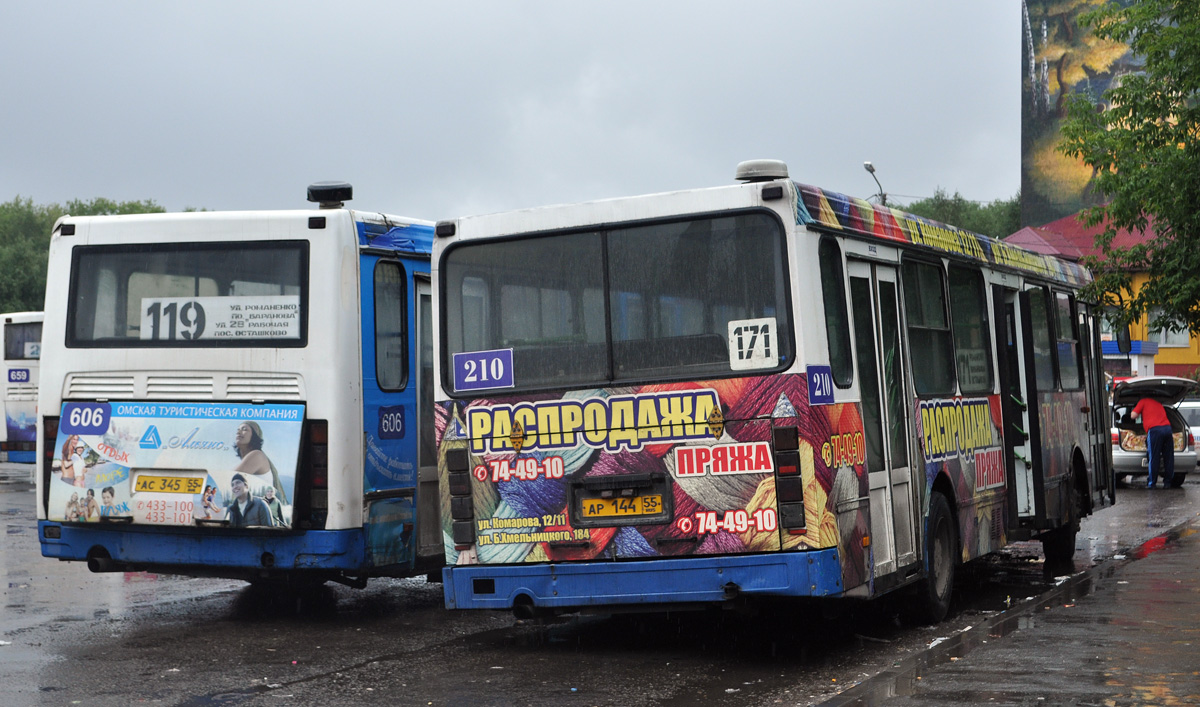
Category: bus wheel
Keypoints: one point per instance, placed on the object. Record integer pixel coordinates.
(1058, 545)
(941, 555)
(1177, 480)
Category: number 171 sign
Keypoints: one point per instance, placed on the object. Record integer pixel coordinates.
(753, 343)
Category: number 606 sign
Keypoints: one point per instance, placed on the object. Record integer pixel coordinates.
(478, 370)
(84, 418)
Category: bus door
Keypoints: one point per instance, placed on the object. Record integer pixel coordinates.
(1038, 354)
(1015, 402)
(429, 529)
(881, 374)
(389, 413)
(1097, 413)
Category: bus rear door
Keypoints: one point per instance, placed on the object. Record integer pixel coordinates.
(1015, 402)
(881, 375)
(429, 528)
(389, 414)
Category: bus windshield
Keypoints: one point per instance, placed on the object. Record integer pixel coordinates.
(191, 294)
(681, 299)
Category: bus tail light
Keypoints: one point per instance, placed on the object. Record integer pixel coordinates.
(462, 506)
(49, 439)
(789, 485)
(316, 451)
(1116, 437)
(1191, 440)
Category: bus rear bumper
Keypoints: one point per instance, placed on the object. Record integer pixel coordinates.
(161, 549)
(814, 573)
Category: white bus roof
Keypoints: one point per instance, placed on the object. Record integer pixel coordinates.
(375, 229)
(819, 209)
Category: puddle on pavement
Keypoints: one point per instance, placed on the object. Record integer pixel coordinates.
(904, 679)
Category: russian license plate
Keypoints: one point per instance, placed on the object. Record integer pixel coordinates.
(168, 484)
(622, 507)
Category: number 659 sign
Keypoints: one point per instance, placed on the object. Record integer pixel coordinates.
(478, 370)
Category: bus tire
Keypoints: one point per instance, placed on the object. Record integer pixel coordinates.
(1177, 480)
(941, 555)
(1058, 545)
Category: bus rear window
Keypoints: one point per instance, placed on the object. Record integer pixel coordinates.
(189, 294)
(667, 300)
(22, 341)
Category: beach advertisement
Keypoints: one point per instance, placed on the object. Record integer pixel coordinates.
(167, 463)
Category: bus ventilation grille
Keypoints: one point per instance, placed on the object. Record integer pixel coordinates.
(99, 386)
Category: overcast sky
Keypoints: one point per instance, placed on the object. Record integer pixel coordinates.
(435, 110)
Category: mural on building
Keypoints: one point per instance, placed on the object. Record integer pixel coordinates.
(1058, 58)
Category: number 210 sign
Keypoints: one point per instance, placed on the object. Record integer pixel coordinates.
(478, 370)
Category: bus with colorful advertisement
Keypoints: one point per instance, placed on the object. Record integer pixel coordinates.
(22, 334)
(763, 389)
(240, 394)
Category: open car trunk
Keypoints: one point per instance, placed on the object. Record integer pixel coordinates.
(1133, 435)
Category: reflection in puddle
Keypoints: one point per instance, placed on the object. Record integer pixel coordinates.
(905, 678)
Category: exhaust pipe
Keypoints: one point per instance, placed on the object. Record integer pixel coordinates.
(524, 609)
(101, 564)
(98, 560)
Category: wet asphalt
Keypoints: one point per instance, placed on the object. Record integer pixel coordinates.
(1124, 632)
(1118, 630)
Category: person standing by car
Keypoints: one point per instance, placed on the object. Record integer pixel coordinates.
(1160, 441)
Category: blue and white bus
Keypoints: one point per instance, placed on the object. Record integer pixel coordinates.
(22, 333)
(240, 394)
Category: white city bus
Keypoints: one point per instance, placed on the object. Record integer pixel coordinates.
(240, 394)
(753, 390)
(22, 333)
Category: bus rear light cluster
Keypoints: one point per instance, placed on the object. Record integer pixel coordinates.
(462, 506)
(789, 486)
(318, 471)
(49, 439)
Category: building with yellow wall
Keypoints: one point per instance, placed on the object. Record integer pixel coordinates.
(1153, 352)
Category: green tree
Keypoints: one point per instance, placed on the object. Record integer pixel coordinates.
(107, 207)
(25, 242)
(998, 219)
(1142, 142)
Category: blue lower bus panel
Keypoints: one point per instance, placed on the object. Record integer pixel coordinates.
(676, 580)
(163, 548)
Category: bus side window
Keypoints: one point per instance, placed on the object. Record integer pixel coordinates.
(1068, 342)
(972, 334)
(929, 338)
(837, 323)
(391, 335)
(1043, 353)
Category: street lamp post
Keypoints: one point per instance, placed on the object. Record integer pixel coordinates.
(882, 196)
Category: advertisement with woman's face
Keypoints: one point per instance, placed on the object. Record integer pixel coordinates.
(216, 464)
